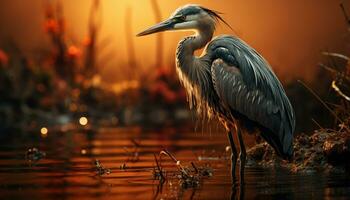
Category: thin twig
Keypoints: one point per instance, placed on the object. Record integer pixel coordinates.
(137, 144)
(159, 168)
(345, 13)
(338, 90)
(319, 125)
(166, 152)
(321, 101)
(178, 163)
(333, 71)
(327, 68)
(194, 167)
(337, 55)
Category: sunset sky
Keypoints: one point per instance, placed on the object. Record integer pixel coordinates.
(289, 35)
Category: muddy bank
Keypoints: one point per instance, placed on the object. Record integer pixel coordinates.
(324, 151)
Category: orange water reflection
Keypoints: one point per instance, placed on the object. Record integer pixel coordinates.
(65, 173)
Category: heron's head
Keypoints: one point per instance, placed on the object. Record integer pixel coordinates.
(189, 17)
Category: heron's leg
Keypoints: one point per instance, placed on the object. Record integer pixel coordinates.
(242, 156)
(233, 156)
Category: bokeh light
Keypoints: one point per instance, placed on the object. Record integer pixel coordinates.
(83, 121)
(44, 131)
(83, 151)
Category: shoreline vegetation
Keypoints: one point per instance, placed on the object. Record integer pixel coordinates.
(326, 149)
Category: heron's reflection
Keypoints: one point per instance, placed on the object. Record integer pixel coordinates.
(237, 192)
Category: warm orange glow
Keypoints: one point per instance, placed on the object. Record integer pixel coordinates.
(273, 28)
(87, 41)
(3, 57)
(121, 87)
(96, 80)
(74, 52)
(51, 26)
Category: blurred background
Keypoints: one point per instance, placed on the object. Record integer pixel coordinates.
(63, 62)
(86, 107)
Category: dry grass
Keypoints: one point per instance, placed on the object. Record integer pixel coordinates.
(188, 176)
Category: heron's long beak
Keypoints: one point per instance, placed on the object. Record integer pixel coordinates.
(162, 26)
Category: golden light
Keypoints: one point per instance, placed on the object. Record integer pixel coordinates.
(96, 80)
(44, 131)
(227, 148)
(123, 86)
(83, 151)
(83, 121)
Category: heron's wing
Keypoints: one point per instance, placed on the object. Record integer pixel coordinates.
(244, 81)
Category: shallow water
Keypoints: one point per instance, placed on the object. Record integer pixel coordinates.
(68, 171)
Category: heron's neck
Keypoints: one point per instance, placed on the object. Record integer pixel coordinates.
(200, 39)
(194, 72)
(187, 47)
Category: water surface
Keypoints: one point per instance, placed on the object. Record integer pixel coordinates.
(68, 170)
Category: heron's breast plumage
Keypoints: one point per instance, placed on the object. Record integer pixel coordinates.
(195, 76)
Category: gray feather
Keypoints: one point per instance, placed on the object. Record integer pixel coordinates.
(270, 106)
(232, 77)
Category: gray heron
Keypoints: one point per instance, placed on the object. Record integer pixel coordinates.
(230, 81)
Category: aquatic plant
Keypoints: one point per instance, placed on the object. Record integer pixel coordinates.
(34, 155)
(100, 169)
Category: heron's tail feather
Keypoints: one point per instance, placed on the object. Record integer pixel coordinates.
(275, 142)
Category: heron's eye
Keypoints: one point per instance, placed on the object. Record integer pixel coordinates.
(180, 18)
